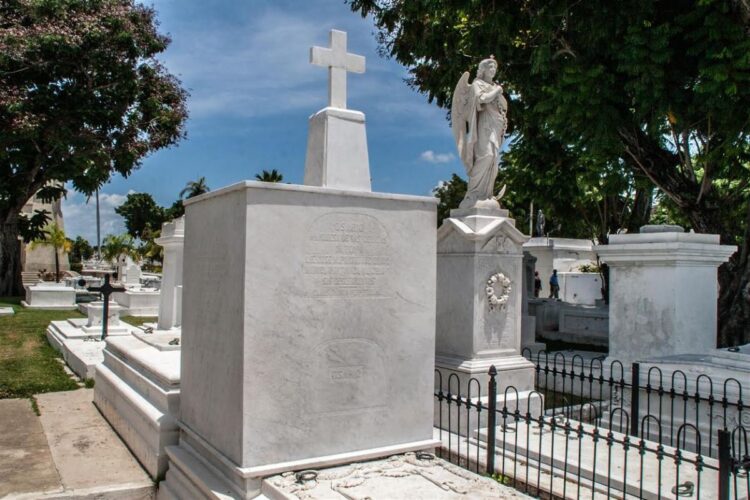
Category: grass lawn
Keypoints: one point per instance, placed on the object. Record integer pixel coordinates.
(28, 364)
(139, 320)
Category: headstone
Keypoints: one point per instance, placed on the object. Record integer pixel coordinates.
(170, 299)
(337, 142)
(663, 292)
(311, 346)
(6, 311)
(132, 275)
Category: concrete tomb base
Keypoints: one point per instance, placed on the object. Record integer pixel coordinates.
(6, 311)
(46, 295)
(138, 302)
(79, 339)
(138, 391)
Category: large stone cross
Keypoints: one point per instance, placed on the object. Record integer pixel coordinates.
(339, 62)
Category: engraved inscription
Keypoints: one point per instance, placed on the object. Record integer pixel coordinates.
(348, 375)
(348, 256)
(347, 372)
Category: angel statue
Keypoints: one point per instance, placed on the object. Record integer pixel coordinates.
(479, 121)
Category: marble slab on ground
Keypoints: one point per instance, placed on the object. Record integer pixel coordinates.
(401, 476)
(6, 311)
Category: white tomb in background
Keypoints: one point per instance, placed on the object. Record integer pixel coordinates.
(564, 254)
(49, 295)
(138, 385)
(136, 300)
(309, 304)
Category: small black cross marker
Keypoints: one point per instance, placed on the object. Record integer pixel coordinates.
(106, 290)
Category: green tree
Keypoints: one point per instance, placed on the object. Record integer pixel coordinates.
(176, 210)
(141, 214)
(450, 193)
(195, 188)
(657, 88)
(115, 246)
(82, 96)
(54, 237)
(272, 176)
(80, 250)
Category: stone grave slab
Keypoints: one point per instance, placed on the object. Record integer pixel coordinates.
(414, 476)
(138, 391)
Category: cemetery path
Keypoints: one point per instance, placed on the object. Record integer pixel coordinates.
(25, 460)
(68, 451)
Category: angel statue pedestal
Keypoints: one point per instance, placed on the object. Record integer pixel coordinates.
(479, 302)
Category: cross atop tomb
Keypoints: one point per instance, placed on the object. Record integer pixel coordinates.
(339, 62)
(106, 290)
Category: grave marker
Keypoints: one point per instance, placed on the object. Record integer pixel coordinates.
(106, 290)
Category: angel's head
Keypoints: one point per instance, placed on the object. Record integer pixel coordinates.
(487, 69)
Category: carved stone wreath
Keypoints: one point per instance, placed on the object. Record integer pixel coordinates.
(498, 298)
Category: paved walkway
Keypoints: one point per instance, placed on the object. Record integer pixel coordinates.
(69, 451)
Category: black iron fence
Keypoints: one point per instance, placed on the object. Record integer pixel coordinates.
(608, 436)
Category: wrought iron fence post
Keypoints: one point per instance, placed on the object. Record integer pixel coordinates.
(491, 420)
(725, 463)
(635, 390)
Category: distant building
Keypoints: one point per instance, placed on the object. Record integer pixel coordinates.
(43, 257)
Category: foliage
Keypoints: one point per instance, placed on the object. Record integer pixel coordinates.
(141, 214)
(590, 268)
(195, 188)
(30, 365)
(54, 236)
(80, 250)
(176, 210)
(620, 92)
(450, 193)
(114, 246)
(82, 96)
(272, 176)
(149, 249)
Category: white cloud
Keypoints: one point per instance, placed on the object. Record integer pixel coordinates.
(431, 157)
(79, 215)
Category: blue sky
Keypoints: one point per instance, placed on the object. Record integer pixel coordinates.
(245, 64)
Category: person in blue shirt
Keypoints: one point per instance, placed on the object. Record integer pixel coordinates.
(554, 286)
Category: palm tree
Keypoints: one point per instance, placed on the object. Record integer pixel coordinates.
(272, 176)
(194, 188)
(55, 238)
(115, 246)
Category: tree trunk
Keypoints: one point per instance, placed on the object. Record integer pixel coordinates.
(57, 266)
(10, 258)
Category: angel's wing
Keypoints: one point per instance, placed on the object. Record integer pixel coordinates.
(459, 113)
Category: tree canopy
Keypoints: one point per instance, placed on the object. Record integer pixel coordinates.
(272, 176)
(647, 94)
(141, 214)
(82, 96)
(195, 188)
